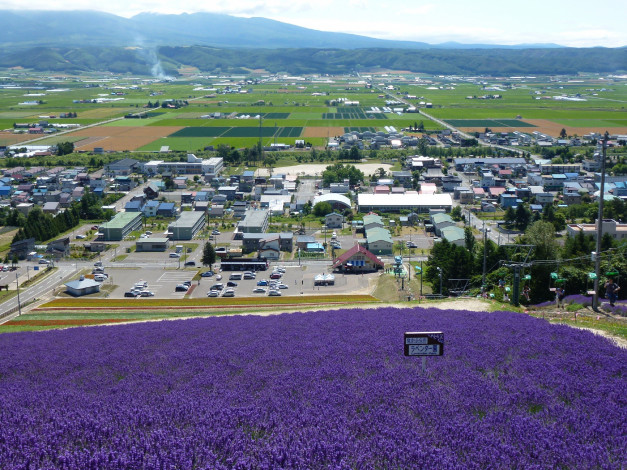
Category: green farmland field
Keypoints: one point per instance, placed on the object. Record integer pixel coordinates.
(202, 132)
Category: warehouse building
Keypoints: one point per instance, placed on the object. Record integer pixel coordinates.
(152, 244)
(121, 225)
(187, 225)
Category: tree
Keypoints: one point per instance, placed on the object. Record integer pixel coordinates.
(522, 217)
(456, 213)
(65, 148)
(563, 133)
(355, 154)
(322, 208)
(208, 255)
(469, 239)
(510, 216)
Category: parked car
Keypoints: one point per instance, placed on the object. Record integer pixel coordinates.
(411, 245)
(44, 261)
(99, 277)
(98, 264)
(213, 293)
(274, 293)
(130, 294)
(94, 227)
(283, 286)
(148, 232)
(181, 288)
(235, 277)
(228, 293)
(259, 290)
(206, 274)
(80, 237)
(218, 286)
(146, 293)
(219, 277)
(215, 232)
(262, 282)
(190, 263)
(275, 275)
(250, 275)
(187, 283)
(231, 284)
(175, 255)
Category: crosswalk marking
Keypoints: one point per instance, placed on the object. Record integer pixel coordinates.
(170, 276)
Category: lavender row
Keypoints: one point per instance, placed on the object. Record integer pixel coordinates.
(324, 389)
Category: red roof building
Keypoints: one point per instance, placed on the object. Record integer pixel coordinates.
(357, 259)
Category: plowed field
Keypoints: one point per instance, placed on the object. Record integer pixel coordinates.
(323, 131)
(121, 138)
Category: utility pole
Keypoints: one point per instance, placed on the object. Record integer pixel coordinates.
(421, 278)
(597, 262)
(19, 305)
(485, 246)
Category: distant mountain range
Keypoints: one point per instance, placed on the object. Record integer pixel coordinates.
(149, 43)
(91, 28)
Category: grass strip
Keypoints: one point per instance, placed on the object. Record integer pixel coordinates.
(205, 302)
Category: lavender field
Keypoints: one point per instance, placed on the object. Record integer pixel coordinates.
(314, 390)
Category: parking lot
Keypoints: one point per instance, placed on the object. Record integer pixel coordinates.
(298, 279)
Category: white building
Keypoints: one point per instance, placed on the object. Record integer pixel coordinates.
(398, 202)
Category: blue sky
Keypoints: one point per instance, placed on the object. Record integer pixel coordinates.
(574, 23)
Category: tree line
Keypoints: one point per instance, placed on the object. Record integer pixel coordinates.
(571, 262)
(44, 226)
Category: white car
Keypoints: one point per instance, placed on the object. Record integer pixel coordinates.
(175, 255)
(274, 293)
(146, 293)
(213, 293)
(259, 290)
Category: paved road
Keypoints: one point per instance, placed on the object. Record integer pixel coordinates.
(41, 289)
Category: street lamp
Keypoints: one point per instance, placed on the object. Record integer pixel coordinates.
(440, 276)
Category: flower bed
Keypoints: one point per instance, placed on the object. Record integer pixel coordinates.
(314, 390)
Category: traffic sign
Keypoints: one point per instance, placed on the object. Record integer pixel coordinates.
(424, 343)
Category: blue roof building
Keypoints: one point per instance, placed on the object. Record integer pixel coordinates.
(133, 206)
(167, 209)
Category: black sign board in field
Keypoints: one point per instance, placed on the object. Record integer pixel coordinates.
(424, 343)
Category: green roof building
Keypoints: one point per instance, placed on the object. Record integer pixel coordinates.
(379, 241)
(187, 225)
(121, 225)
(454, 235)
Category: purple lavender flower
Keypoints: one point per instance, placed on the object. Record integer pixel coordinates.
(313, 390)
